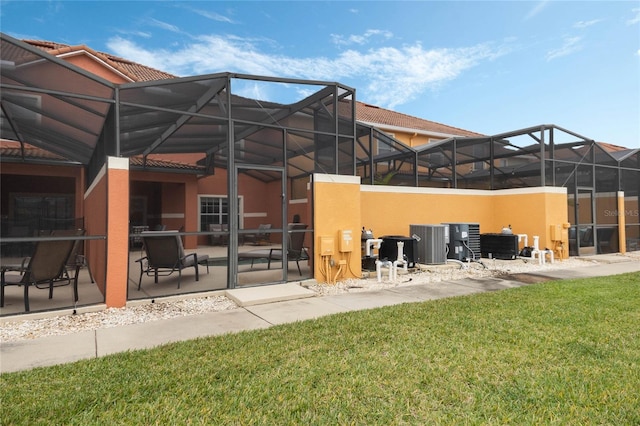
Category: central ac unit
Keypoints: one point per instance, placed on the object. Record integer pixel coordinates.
(463, 241)
(431, 246)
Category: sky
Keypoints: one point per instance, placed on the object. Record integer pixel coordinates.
(488, 67)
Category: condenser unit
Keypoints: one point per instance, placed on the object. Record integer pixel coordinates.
(463, 241)
(430, 243)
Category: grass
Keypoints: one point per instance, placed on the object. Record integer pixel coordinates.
(565, 352)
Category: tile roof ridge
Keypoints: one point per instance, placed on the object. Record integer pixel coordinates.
(44, 44)
(415, 118)
(612, 147)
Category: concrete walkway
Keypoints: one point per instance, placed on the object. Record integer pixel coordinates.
(263, 307)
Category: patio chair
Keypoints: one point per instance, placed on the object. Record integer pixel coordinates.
(295, 250)
(262, 237)
(46, 266)
(77, 259)
(218, 239)
(135, 239)
(165, 255)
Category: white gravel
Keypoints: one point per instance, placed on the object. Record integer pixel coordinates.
(11, 331)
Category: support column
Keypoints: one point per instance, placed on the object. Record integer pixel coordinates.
(622, 230)
(117, 206)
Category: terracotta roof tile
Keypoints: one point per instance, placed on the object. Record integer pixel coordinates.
(12, 150)
(133, 70)
(364, 112)
(374, 114)
(162, 163)
(611, 147)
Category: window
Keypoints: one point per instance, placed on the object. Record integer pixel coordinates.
(43, 211)
(213, 210)
(386, 148)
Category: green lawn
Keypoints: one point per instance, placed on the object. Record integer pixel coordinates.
(565, 352)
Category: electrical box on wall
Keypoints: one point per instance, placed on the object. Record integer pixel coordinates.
(326, 246)
(346, 241)
(556, 232)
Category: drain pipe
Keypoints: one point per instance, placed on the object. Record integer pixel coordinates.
(400, 260)
(371, 244)
(536, 250)
(525, 237)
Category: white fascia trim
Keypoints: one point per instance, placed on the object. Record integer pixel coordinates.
(417, 190)
(453, 191)
(115, 163)
(384, 127)
(96, 59)
(256, 214)
(118, 163)
(101, 174)
(327, 178)
(533, 190)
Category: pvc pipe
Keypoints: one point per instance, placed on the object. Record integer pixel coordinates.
(386, 264)
(525, 237)
(369, 245)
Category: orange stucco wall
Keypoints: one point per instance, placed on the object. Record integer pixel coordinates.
(92, 65)
(531, 211)
(342, 203)
(117, 231)
(336, 207)
(107, 207)
(390, 210)
(95, 200)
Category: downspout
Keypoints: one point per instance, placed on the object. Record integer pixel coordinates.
(411, 139)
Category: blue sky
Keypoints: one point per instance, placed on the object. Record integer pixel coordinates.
(489, 67)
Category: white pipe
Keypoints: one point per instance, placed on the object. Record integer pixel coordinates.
(399, 261)
(400, 245)
(386, 264)
(462, 265)
(525, 237)
(369, 245)
(536, 250)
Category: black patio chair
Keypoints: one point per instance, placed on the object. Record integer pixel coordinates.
(77, 259)
(295, 250)
(165, 255)
(46, 266)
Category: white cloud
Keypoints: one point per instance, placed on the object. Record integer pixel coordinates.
(585, 24)
(392, 75)
(536, 9)
(636, 18)
(213, 16)
(164, 25)
(142, 34)
(571, 45)
(360, 38)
